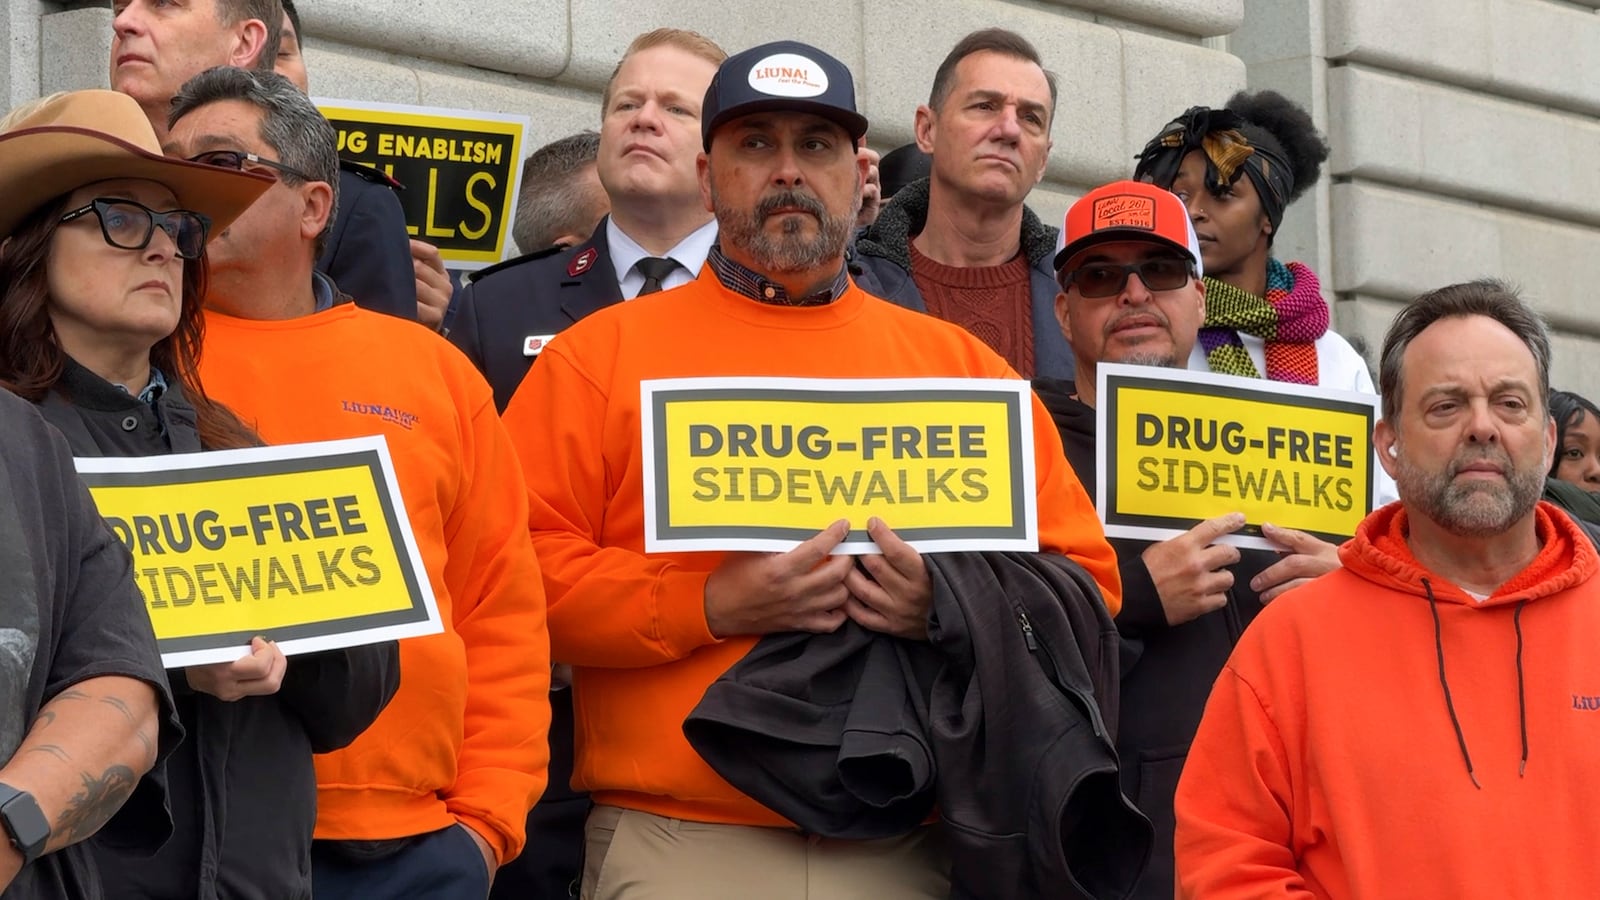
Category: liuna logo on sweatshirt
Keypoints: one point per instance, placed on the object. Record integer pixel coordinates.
(1587, 703)
(387, 413)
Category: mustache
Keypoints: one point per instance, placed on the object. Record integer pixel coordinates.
(1494, 455)
(790, 199)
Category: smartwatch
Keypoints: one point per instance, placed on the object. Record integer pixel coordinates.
(24, 822)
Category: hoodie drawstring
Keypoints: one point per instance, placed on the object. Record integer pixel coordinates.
(1438, 646)
(1522, 703)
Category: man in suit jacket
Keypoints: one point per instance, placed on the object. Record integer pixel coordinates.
(656, 237)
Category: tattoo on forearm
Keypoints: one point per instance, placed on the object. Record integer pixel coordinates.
(52, 749)
(45, 719)
(91, 807)
(72, 694)
(121, 707)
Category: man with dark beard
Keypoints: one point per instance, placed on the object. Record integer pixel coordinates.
(646, 634)
(1373, 729)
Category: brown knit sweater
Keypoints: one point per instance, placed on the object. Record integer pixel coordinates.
(991, 302)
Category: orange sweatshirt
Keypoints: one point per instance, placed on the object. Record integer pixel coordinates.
(464, 738)
(634, 625)
(1329, 762)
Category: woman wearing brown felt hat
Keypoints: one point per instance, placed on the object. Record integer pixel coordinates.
(102, 279)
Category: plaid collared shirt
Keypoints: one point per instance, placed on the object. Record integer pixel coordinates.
(752, 284)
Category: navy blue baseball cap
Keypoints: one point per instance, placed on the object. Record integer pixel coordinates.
(782, 75)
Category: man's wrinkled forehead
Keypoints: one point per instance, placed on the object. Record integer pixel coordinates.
(223, 125)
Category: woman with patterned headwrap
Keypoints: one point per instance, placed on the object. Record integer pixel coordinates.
(1238, 168)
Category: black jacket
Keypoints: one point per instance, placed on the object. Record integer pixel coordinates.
(530, 297)
(997, 720)
(1167, 671)
(881, 265)
(242, 787)
(368, 253)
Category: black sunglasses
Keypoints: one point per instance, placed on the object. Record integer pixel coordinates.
(128, 225)
(1096, 280)
(237, 160)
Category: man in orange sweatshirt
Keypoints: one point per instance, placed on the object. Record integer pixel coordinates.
(434, 796)
(1422, 722)
(648, 633)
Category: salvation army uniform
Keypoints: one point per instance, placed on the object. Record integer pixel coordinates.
(507, 314)
(368, 253)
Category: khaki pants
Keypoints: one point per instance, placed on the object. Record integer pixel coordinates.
(632, 855)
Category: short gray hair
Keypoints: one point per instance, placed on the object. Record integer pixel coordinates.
(1487, 297)
(553, 200)
(290, 125)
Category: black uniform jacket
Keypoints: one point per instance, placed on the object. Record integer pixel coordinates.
(368, 254)
(507, 311)
(1167, 671)
(243, 792)
(1004, 719)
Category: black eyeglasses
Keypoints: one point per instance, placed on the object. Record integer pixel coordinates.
(1096, 280)
(128, 225)
(238, 159)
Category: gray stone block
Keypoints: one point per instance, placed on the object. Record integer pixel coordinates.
(1201, 18)
(525, 37)
(75, 50)
(1391, 129)
(1527, 49)
(603, 29)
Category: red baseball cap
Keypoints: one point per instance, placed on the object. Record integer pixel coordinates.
(1128, 211)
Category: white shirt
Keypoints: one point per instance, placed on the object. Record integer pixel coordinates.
(690, 255)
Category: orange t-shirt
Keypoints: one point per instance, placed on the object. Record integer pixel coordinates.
(464, 737)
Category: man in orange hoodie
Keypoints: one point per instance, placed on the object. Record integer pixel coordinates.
(1422, 722)
(646, 634)
(433, 797)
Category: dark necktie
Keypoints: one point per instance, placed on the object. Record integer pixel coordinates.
(654, 268)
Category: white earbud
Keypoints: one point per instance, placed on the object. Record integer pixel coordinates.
(1393, 450)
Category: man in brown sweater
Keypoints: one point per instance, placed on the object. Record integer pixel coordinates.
(960, 244)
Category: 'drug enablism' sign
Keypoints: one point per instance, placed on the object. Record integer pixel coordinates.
(461, 170)
(1180, 447)
(765, 463)
(305, 544)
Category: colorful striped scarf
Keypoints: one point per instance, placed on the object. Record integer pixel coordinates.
(1290, 319)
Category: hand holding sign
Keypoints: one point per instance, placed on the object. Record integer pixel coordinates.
(256, 674)
(800, 590)
(1308, 556)
(896, 597)
(1189, 571)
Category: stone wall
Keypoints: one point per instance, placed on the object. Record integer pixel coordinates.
(1466, 133)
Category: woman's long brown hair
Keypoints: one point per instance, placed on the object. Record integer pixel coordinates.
(32, 361)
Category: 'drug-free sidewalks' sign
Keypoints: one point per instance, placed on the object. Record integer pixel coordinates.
(765, 463)
(1179, 447)
(307, 545)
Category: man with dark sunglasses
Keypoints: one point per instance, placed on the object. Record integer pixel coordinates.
(1130, 292)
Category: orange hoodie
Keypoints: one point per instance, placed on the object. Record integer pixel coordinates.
(1333, 762)
(463, 740)
(634, 625)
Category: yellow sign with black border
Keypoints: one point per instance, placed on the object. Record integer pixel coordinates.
(305, 544)
(766, 463)
(1179, 447)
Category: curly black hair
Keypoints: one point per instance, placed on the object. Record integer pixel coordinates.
(1292, 127)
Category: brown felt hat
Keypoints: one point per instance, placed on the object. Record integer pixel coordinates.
(83, 137)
